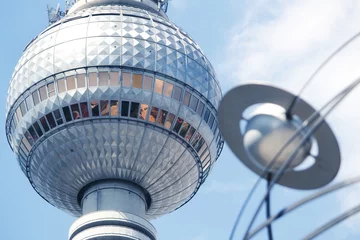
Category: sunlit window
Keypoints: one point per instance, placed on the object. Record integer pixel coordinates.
(95, 108)
(114, 78)
(158, 86)
(126, 79)
(143, 111)
(104, 107)
(114, 107)
(153, 114)
(168, 89)
(125, 108)
(178, 124)
(51, 89)
(162, 117)
(43, 94)
(103, 78)
(51, 120)
(70, 83)
(80, 79)
(193, 103)
(137, 81)
(148, 83)
(169, 120)
(177, 93)
(92, 79)
(61, 85)
(186, 100)
(84, 109)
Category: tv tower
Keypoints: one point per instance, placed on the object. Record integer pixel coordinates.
(112, 115)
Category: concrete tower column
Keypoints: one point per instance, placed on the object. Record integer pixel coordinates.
(113, 210)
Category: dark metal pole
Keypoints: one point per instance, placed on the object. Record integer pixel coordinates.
(268, 208)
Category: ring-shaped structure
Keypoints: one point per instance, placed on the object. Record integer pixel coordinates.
(231, 110)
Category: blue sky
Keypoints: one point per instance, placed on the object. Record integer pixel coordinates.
(276, 41)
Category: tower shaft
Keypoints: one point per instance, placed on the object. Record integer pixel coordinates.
(113, 210)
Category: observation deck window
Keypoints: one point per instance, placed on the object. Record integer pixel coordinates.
(137, 81)
(44, 124)
(193, 103)
(23, 109)
(190, 134)
(148, 83)
(75, 111)
(67, 113)
(206, 115)
(186, 100)
(58, 117)
(143, 111)
(159, 86)
(125, 108)
(61, 85)
(51, 89)
(80, 80)
(37, 129)
(177, 93)
(18, 114)
(92, 79)
(70, 82)
(35, 96)
(169, 120)
(114, 79)
(185, 127)
(104, 107)
(114, 107)
(153, 114)
(168, 89)
(162, 117)
(103, 78)
(33, 133)
(178, 124)
(200, 108)
(126, 79)
(51, 120)
(29, 102)
(43, 94)
(134, 111)
(84, 109)
(95, 108)
(211, 121)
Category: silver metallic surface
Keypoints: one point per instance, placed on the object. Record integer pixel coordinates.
(95, 58)
(327, 161)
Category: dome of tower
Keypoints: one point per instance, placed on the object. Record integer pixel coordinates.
(114, 91)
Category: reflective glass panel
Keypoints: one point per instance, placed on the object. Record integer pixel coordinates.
(185, 127)
(29, 138)
(29, 102)
(148, 83)
(193, 103)
(202, 149)
(67, 113)
(103, 78)
(36, 98)
(186, 100)
(125, 108)
(200, 108)
(178, 124)
(143, 111)
(168, 89)
(94, 108)
(162, 117)
(153, 114)
(26, 144)
(126, 79)
(177, 93)
(23, 108)
(158, 86)
(51, 89)
(43, 94)
(104, 106)
(134, 110)
(206, 115)
(33, 133)
(211, 120)
(70, 83)
(37, 129)
(75, 111)
(114, 78)
(84, 109)
(190, 133)
(114, 107)
(169, 120)
(80, 79)
(200, 144)
(18, 114)
(51, 120)
(92, 79)
(44, 124)
(58, 117)
(196, 139)
(61, 85)
(137, 81)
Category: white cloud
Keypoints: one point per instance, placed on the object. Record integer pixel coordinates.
(284, 41)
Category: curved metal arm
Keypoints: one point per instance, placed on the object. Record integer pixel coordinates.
(333, 222)
(304, 201)
(306, 137)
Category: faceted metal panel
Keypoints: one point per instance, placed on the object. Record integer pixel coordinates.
(64, 68)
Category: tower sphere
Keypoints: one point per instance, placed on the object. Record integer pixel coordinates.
(114, 91)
